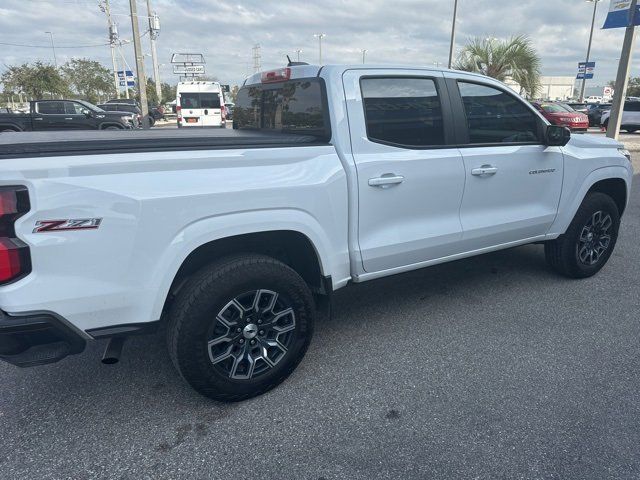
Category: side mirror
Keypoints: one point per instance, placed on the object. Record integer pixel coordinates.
(557, 136)
(87, 113)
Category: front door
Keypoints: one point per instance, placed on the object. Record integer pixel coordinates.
(513, 181)
(410, 177)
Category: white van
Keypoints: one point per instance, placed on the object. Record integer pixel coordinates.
(200, 104)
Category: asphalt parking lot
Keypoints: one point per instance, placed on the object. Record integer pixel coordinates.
(490, 367)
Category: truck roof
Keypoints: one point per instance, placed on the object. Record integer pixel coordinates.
(307, 71)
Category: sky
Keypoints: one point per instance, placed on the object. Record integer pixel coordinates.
(413, 32)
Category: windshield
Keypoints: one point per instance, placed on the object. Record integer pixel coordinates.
(90, 106)
(555, 108)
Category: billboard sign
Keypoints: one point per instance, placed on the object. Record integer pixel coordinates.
(188, 69)
(618, 16)
(126, 78)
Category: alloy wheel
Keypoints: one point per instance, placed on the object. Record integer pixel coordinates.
(251, 334)
(595, 238)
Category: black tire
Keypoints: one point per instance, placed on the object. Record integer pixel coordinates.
(564, 253)
(112, 127)
(631, 130)
(208, 295)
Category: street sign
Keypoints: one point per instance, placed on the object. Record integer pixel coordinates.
(188, 69)
(607, 92)
(585, 70)
(187, 58)
(618, 16)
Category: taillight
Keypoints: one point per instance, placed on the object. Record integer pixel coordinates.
(223, 112)
(15, 260)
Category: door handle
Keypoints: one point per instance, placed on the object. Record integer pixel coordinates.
(386, 180)
(484, 170)
(68, 118)
(39, 119)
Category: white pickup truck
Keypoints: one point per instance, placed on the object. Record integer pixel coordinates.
(234, 240)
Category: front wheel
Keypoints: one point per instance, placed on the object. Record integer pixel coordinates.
(589, 241)
(240, 326)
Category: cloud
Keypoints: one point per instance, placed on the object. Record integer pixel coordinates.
(404, 31)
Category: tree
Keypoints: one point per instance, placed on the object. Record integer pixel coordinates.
(233, 94)
(168, 92)
(152, 96)
(515, 58)
(633, 90)
(89, 79)
(35, 80)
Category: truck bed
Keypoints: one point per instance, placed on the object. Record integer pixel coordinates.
(57, 143)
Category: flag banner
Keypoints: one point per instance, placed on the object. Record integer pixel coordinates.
(618, 16)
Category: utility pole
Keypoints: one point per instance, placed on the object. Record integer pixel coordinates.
(593, 22)
(142, 81)
(113, 38)
(620, 92)
(453, 33)
(53, 47)
(319, 36)
(364, 54)
(154, 31)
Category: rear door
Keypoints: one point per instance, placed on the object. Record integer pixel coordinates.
(49, 115)
(513, 181)
(210, 103)
(410, 177)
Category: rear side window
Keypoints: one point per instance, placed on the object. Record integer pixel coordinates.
(631, 107)
(199, 100)
(295, 106)
(403, 111)
(50, 108)
(494, 116)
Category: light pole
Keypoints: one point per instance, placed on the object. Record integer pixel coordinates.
(53, 47)
(593, 22)
(298, 52)
(364, 54)
(453, 33)
(319, 36)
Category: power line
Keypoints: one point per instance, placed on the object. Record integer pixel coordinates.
(49, 46)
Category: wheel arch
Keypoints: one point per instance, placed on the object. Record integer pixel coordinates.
(616, 188)
(110, 124)
(614, 181)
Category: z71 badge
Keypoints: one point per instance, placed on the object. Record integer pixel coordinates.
(63, 225)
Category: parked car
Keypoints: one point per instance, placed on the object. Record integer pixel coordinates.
(233, 241)
(200, 104)
(630, 117)
(64, 115)
(563, 115)
(128, 101)
(578, 107)
(594, 99)
(5, 110)
(133, 110)
(595, 113)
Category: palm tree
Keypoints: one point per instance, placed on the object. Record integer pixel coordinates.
(514, 58)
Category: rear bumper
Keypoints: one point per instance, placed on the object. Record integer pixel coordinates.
(38, 338)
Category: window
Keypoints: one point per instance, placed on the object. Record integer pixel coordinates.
(199, 100)
(50, 108)
(295, 106)
(494, 116)
(73, 108)
(632, 107)
(403, 111)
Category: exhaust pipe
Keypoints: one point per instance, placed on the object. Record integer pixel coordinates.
(113, 350)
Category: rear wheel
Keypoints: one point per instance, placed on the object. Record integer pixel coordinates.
(113, 127)
(589, 241)
(240, 326)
